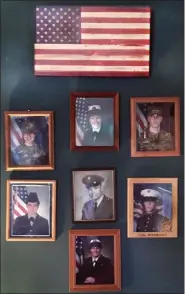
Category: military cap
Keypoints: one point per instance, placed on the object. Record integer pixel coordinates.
(28, 127)
(150, 195)
(94, 110)
(92, 180)
(32, 197)
(95, 243)
(154, 109)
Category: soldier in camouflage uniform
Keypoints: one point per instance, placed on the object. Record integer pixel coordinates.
(28, 153)
(155, 139)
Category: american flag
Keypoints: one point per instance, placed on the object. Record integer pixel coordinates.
(19, 199)
(81, 119)
(16, 133)
(79, 253)
(92, 41)
(141, 120)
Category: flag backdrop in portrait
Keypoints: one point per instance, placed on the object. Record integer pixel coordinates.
(79, 253)
(92, 41)
(81, 119)
(19, 199)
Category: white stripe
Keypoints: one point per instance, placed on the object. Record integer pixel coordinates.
(14, 139)
(139, 128)
(78, 143)
(79, 131)
(18, 210)
(15, 126)
(91, 57)
(142, 117)
(115, 36)
(90, 47)
(116, 14)
(95, 25)
(97, 68)
(22, 202)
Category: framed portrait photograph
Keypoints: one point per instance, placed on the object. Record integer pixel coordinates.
(94, 260)
(155, 126)
(94, 196)
(31, 210)
(29, 140)
(94, 121)
(152, 207)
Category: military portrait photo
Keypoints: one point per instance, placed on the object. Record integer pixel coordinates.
(96, 258)
(94, 195)
(30, 210)
(155, 126)
(94, 120)
(29, 140)
(154, 207)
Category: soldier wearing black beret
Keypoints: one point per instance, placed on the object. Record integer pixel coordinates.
(31, 223)
(29, 152)
(96, 269)
(100, 206)
(96, 134)
(154, 138)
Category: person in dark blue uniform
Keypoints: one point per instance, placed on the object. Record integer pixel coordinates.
(96, 134)
(100, 206)
(151, 220)
(31, 223)
(96, 269)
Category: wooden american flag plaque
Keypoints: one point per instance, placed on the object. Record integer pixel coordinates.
(92, 41)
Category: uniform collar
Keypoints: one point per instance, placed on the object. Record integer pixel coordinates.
(96, 130)
(99, 200)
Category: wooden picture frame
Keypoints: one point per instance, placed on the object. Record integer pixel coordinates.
(102, 114)
(29, 140)
(22, 197)
(162, 221)
(109, 272)
(94, 195)
(166, 143)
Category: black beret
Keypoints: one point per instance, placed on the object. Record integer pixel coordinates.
(92, 180)
(32, 197)
(154, 109)
(28, 127)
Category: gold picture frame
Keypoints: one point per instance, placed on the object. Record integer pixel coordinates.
(140, 125)
(35, 156)
(73, 246)
(18, 227)
(162, 222)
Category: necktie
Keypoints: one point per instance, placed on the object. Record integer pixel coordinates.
(95, 206)
(94, 263)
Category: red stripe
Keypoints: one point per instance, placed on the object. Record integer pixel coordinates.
(89, 52)
(115, 31)
(139, 120)
(114, 9)
(21, 207)
(90, 73)
(114, 20)
(16, 213)
(94, 62)
(77, 264)
(117, 42)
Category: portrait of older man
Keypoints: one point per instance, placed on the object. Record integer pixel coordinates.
(154, 138)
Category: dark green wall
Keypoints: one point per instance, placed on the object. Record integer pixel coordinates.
(148, 265)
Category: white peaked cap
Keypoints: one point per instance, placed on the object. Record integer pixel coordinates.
(150, 193)
(94, 107)
(95, 240)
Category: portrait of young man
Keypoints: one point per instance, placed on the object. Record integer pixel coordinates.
(155, 127)
(31, 206)
(93, 193)
(94, 121)
(94, 260)
(29, 141)
(152, 207)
